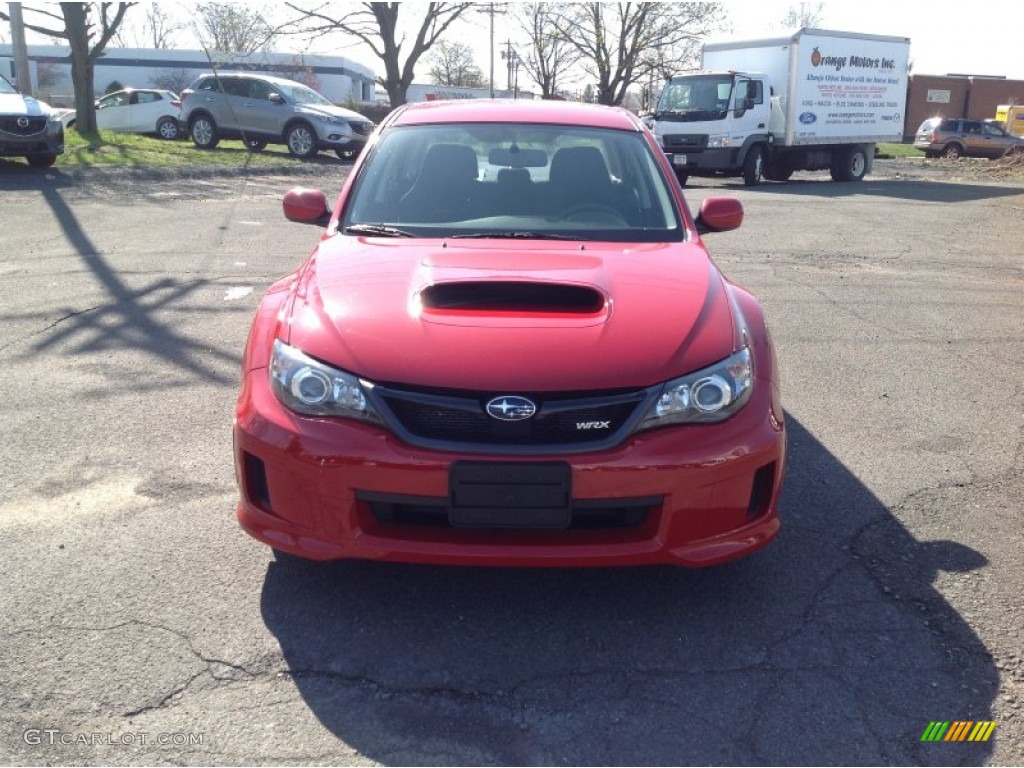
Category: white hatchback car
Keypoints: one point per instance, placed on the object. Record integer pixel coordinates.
(137, 110)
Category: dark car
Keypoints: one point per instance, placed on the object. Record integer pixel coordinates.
(29, 128)
(954, 137)
(261, 110)
(511, 348)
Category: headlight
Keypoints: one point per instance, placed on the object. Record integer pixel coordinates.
(328, 119)
(312, 388)
(713, 394)
(718, 141)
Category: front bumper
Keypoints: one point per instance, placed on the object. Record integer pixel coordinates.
(48, 142)
(699, 160)
(332, 136)
(322, 489)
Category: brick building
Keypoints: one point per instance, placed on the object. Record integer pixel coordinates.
(971, 96)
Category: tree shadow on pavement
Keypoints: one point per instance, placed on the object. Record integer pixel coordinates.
(832, 646)
(126, 320)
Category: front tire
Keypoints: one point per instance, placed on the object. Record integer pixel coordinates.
(167, 128)
(753, 167)
(682, 177)
(204, 132)
(41, 161)
(849, 165)
(301, 141)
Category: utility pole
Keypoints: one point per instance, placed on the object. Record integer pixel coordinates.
(507, 56)
(22, 74)
(491, 11)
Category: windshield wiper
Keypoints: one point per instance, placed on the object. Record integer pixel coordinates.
(378, 230)
(514, 234)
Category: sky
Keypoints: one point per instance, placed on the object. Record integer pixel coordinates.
(981, 43)
(990, 43)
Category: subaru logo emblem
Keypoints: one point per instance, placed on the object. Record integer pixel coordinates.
(511, 408)
(23, 122)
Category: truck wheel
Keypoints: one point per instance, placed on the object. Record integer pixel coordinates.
(753, 167)
(849, 165)
(777, 170)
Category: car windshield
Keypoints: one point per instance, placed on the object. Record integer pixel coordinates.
(513, 180)
(300, 94)
(6, 87)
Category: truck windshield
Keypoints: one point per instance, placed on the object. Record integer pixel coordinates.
(695, 97)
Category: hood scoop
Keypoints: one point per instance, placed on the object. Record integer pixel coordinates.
(512, 298)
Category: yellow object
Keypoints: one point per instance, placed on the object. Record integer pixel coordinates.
(1011, 117)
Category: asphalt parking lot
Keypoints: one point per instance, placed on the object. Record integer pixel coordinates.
(141, 626)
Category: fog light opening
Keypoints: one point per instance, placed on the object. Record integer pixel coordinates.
(761, 491)
(256, 488)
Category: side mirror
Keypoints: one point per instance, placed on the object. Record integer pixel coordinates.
(307, 206)
(719, 214)
(276, 98)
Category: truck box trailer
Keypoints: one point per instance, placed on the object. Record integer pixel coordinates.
(814, 100)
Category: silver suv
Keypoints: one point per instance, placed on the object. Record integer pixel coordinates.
(261, 110)
(28, 128)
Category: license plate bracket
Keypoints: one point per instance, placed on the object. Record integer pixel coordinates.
(510, 495)
(678, 159)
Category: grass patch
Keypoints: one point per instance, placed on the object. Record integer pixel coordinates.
(108, 148)
(886, 150)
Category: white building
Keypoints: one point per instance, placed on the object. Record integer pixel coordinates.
(338, 78)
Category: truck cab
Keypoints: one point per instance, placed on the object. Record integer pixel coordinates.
(714, 122)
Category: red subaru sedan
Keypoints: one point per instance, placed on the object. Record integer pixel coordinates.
(511, 348)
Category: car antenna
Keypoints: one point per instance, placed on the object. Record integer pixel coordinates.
(220, 87)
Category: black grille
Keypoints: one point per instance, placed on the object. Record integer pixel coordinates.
(32, 125)
(568, 421)
(363, 129)
(689, 141)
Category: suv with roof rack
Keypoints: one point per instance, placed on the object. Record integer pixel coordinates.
(261, 110)
(955, 137)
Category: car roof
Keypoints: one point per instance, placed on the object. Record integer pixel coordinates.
(517, 111)
(249, 75)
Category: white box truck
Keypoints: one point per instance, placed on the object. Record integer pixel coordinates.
(813, 100)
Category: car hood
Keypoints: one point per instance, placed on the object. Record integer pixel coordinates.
(16, 104)
(499, 316)
(339, 112)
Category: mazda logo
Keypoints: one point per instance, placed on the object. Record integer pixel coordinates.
(23, 122)
(511, 408)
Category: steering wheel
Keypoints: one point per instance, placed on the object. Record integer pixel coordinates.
(603, 212)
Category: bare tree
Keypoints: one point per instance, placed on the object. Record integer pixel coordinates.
(231, 28)
(175, 80)
(616, 40)
(452, 64)
(376, 25)
(549, 57)
(804, 15)
(87, 28)
(157, 29)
